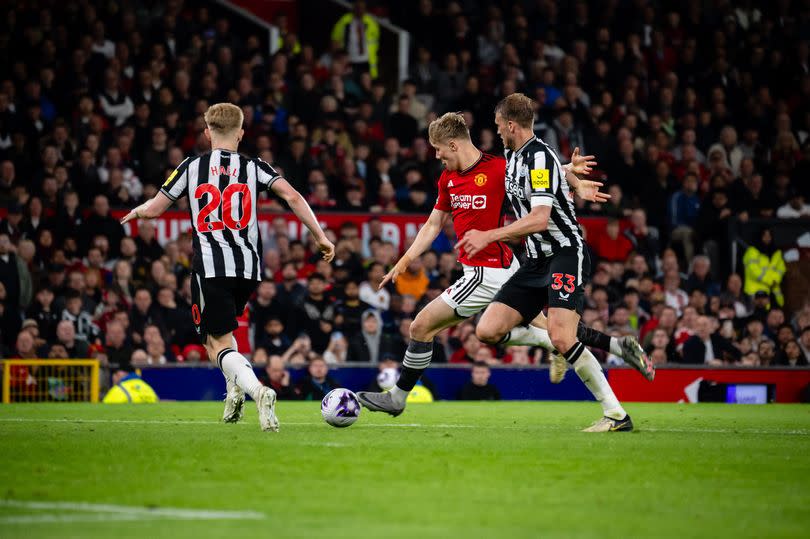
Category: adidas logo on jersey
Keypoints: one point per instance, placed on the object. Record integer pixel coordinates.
(450, 183)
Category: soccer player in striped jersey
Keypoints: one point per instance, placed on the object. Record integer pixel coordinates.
(557, 263)
(222, 187)
(471, 190)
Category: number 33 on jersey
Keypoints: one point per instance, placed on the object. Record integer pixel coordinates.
(222, 187)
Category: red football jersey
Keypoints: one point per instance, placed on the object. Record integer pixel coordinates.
(475, 198)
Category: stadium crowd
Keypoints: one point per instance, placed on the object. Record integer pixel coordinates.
(100, 100)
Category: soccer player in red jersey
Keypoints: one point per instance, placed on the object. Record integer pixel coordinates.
(471, 190)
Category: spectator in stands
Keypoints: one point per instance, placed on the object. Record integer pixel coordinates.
(792, 356)
(289, 291)
(413, 281)
(795, 208)
(317, 382)
(15, 275)
(359, 34)
(645, 239)
(338, 349)
(116, 349)
(804, 343)
(660, 341)
(146, 242)
(278, 377)
(479, 388)
(700, 277)
(101, 223)
(66, 336)
(676, 297)
(706, 347)
(767, 353)
(764, 268)
(614, 247)
(370, 291)
(371, 343)
(315, 315)
(350, 309)
(683, 214)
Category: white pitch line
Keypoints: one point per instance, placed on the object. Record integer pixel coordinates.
(792, 432)
(79, 517)
(136, 511)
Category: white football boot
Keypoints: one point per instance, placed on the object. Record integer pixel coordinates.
(556, 371)
(234, 403)
(267, 409)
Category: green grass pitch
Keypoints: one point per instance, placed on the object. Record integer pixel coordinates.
(444, 470)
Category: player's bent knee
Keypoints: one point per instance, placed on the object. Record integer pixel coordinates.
(561, 337)
(489, 334)
(422, 329)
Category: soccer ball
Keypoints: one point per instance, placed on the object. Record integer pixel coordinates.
(340, 408)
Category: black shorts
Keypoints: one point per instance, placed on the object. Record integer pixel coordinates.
(216, 302)
(556, 281)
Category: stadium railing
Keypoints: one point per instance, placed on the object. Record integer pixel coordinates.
(50, 380)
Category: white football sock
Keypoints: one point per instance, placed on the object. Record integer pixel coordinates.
(237, 369)
(589, 371)
(616, 347)
(529, 336)
(228, 382)
(398, 395)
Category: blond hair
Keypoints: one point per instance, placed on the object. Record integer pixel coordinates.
(447, 126)
(517, 108)
(224, 118)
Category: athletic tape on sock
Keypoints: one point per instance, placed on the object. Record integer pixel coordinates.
(574, 352)
(221, 355)
(506, 337)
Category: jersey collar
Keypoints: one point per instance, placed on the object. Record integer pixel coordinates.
(469, 168)
(525, 144)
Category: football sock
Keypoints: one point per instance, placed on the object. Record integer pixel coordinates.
(228, 382)
(616, 347)
(592, 337)
(417, 359)
(237, 369)
(528, 336)
(589, 371)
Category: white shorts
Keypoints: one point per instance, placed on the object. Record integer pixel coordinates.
(475, 290)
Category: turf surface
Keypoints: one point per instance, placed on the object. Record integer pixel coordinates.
(442, 470)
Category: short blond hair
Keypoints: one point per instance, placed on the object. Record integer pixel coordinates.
(447, 126)
(224, 118)
(517, 108)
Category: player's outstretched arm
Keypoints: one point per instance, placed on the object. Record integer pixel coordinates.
(301, 209)
(424, 239)
(150, 209)
(475, 241)
(580, 166)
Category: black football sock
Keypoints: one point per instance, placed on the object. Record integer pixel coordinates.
(592, 337)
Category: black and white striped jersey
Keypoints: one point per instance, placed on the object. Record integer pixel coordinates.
(222, 187)
(534, 177)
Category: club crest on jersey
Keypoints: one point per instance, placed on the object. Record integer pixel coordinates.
(480, 179)
(540, 179)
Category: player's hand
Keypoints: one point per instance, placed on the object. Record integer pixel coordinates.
(581, 165)
(392, 275)
(589, 190)
(474, 242)
(130, 216)
(326, 248)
